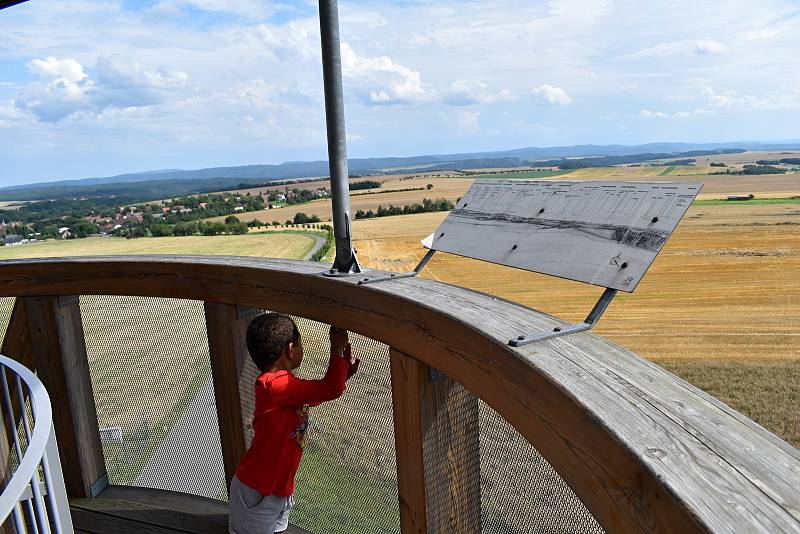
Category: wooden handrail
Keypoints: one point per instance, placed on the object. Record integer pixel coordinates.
(644, 450)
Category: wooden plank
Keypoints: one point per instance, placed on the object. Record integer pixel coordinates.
(59, 352)
(228, 350)
(408, 376)
(599, 232)
(451, 449)
(17, 341)
(123, 507)
(642, 450)
(437, 448)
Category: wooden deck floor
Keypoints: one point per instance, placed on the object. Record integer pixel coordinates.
(128, 510)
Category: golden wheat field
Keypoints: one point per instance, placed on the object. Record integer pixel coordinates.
(719, 307)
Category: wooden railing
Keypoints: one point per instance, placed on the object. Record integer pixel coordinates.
(643, 450)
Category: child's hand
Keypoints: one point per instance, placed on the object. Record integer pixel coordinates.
(339, 341)
(354, 362)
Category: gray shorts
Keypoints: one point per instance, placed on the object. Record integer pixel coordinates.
(249, 512)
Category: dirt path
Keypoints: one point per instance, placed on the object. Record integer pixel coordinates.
(320, 242)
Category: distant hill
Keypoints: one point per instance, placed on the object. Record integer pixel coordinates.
(151, 185)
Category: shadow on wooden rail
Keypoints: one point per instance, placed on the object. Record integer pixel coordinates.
(643, 450)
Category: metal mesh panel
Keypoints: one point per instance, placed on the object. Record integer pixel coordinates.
(6, 306)
(151, 376)
(520, 491)
(347, 481)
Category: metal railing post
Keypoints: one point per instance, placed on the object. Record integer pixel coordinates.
(56, 489)
(345, 261)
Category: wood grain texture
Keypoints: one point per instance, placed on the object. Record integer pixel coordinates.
(17, 341)
(123, 510)
(451, 452)
(642, 449)
(408, 376)
(601, 232)
(59, 353)
(228, 353)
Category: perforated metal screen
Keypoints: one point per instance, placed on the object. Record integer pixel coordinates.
(6, 306)
(151, 376)
(520, 491)
(152, 383)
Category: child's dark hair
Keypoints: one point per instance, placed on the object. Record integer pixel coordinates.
(268, 335)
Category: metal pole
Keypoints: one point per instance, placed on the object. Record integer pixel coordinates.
(345, 262)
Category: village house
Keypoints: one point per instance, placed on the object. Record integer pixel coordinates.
(12, 239)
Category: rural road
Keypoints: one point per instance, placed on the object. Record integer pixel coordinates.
(320, 241)
(189, 459)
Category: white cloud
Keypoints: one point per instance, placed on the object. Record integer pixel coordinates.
(649, 114)
(733, 101)
(468, 92)
(381, 79)
(552, 95)
(250, 9)
(67, 89)
(296, 39)
(463, 122)
(686, 47)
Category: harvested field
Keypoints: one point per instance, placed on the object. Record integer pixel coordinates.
(726, 288)
(644, 173)
(275, 245)
(746, 157)
(449, 188)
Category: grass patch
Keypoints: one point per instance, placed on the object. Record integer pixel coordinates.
(667, 170)
(754, 201)
(767, 392)
(329, 499)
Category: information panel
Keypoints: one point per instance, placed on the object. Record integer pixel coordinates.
(601, 232)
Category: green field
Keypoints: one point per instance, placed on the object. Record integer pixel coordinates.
(272, 245)
(754, 201)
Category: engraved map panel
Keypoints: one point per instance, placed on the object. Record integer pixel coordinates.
(603, 233)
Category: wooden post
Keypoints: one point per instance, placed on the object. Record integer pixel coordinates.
(59, 355)
(408, 377)
(226, 326)
(17, 342)
(438, 455)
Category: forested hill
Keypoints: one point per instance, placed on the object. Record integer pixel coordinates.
(174, 182)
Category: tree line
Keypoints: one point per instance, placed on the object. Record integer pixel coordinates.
(428, 205)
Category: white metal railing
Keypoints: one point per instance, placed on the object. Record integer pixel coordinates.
(38, 504)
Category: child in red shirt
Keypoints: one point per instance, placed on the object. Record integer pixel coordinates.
(261, 492)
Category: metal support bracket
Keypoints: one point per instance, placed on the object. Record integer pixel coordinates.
(591, 319)
(424, 261)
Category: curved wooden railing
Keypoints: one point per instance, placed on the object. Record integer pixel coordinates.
(643, 450)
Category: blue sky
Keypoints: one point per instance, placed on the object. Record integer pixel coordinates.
(96, 88)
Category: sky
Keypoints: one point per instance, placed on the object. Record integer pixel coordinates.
(102, 87)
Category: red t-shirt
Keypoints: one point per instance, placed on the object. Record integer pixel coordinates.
(280, 422)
